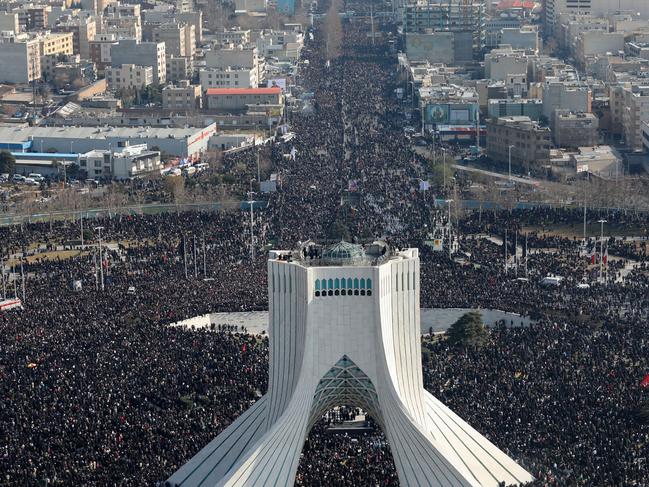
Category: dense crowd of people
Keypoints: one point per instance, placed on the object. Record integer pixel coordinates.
(99, 390)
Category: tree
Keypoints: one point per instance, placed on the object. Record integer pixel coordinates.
(175, 186)
(338, 230)
(468, 331)
(7, 162)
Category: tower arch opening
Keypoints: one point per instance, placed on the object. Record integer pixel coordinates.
(345, 441)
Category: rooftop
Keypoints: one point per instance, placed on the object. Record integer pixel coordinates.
(341, 253)
(275, 90)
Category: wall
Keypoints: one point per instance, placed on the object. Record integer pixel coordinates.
(437, 47)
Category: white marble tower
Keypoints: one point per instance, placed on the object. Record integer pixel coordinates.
(344, 330)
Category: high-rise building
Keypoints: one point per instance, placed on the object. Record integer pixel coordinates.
(597, 8)
(464, 18)
(344, 330)
(130, 51)
(22, 54)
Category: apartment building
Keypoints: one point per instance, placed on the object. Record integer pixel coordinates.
(23, 55)
(526, 140)
(185, 96)
(128, 76)
(130, 51)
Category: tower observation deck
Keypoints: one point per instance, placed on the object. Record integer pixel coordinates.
(344, 330)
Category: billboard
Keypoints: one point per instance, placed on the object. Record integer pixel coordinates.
(437, 114)
(451, 113)
(279, 82)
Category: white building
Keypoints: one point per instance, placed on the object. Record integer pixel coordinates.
(596, 8)
(127, 162)
(634, 114)
(228, 77)
(130, 51)
(128, 76)
(22, 55)
(344, 330)
(500, 63)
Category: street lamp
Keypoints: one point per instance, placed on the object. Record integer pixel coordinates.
(448, 226)
(510, 162)
(101, 261)
(444, 160)
(252, 234)
(601, 254)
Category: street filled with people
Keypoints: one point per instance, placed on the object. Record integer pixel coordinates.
(98, 390)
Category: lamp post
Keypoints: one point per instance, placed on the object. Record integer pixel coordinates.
(510, 162)
(448, 226)
(101, 261)
(601, 247)
(252, 231)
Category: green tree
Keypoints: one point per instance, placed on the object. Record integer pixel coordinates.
(338, 230)
(436, 174)
(468, 331)
(7, 162)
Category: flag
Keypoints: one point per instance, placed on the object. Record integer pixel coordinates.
(645, 381)
(605, 258)
(424, 185)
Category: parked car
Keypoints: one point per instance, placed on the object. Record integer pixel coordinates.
(17, 178)
(31, 182)
(36, 177)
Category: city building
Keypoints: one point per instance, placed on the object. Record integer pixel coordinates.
(126, 162)
(575, 129)
(185, 96)
(179, 68)
(344, 330)
(130, 51)
(284, 45)
(9, 22)
(434, 47)
(228, 77)
(515, 107)
(100, 50)
(593, 42)
(236, 37)
(463, 18)
(525, 140)
(128, 76)
(83, 29)
(500, 63)
(558, 95)
(525, 38)
(179, 38)
(22, 54)
(635, 113)
(450, 110)
(241, 98)
(596, 8)
(187, 142)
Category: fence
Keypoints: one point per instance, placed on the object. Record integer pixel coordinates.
(154, 209)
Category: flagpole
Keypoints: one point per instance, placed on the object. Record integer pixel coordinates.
(22, 275)
(195, 258)
(526, 254)
(516, 254)
(4, 286)
(601, 246)
(505, 242)
(185, 254)
(204, 258)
